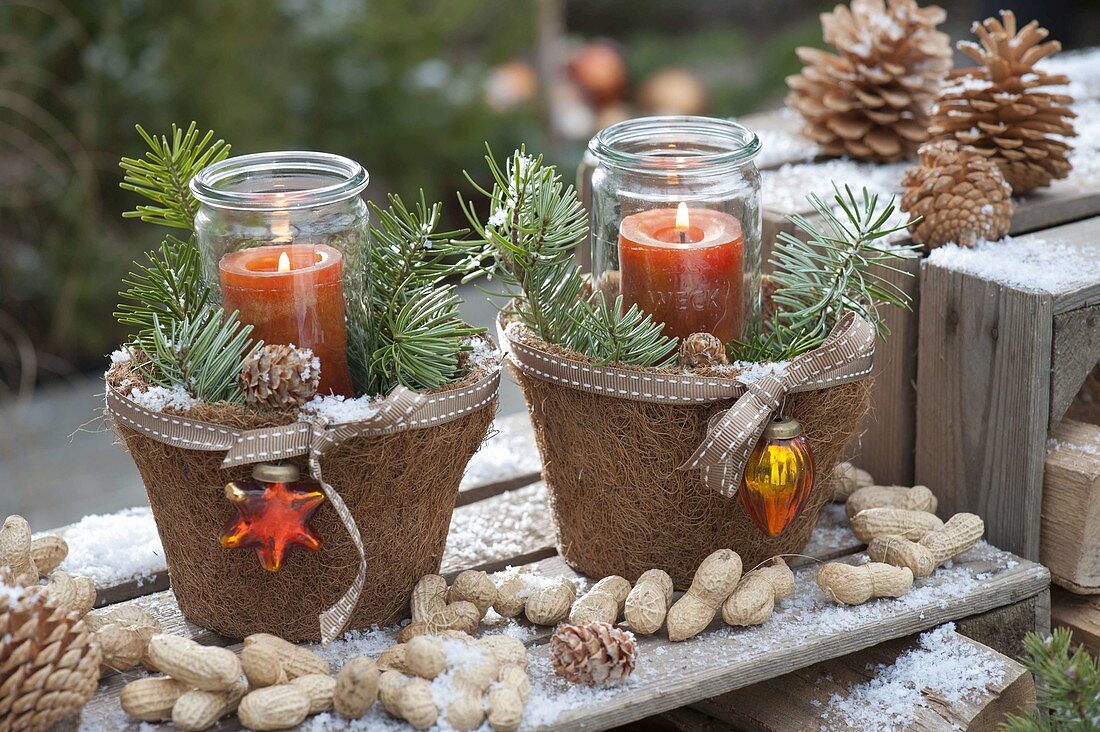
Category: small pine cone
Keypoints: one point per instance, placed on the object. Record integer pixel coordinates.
(999, 107)
(702, 350)
(871, 99)
(280, 377)
(961, 195)
(49, 663)
(596, 654)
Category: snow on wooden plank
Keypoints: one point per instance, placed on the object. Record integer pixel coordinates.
(508, 459)
(807, 628)
(937, 681)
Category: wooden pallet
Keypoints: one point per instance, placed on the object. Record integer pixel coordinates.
(501, 524)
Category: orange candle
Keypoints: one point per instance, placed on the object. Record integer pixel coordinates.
(684, 267)
(293, 293)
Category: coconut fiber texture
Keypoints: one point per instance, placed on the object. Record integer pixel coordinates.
(401, 489)
(619, 503)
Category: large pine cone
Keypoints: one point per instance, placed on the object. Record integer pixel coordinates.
(961, 196)
(49, 665)
(871, 99)
(998, 109)
(280, 377)
(592, 653)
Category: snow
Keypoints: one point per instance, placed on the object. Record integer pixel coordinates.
(508, 452)
(337, 409)
(944, 667)
(786, 188)
(508, 525)
(783, 144)
(1085, 156)
(750, 373)
(483, 354)
(1027, 262)
(1054, 444)
(1082, 68)
(354, 643)
(122, 355)
(115, 548)
(159, 398)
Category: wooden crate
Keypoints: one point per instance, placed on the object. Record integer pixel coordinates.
(1069, 541)
(1000, 360)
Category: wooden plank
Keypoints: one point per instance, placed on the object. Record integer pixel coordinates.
(814, 698)
(983, 381)
(884, 447)
(1074, 354)
(1080, 614)
(508, 459)
(1070, 537)
(806, 629)
(1005, 628)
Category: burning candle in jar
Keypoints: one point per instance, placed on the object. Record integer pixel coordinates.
(684, 266)
(293, 293)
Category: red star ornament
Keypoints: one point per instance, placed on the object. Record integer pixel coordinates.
(271, 517)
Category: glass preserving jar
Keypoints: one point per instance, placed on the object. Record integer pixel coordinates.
(282, 235)
(675, 222)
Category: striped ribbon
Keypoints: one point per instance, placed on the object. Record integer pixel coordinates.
(845, 356)
(401, 410)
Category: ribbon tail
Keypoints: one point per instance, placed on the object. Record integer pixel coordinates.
(336, 618)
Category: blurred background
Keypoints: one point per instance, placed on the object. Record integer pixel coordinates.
(410, 88)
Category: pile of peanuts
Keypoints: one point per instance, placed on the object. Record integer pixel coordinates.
(34, 559)
(905, 539)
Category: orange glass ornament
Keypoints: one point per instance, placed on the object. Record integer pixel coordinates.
(272, 514)
(778, 476)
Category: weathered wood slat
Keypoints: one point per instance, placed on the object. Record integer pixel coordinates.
(983, 385)
(1080, 614)
(807, 699)
(1070, 527)
(1074, 354)
(802, 632)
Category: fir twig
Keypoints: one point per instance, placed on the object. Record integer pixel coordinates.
(534, 226)
(404, 322)
(840, 268)
(164, 174)
(1067, 686)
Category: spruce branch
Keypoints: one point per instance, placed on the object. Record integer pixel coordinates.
(403, 320)
(533, 228)
(164, 174)
(841, 267)
(1067, 686)
(169, 286)
(203, 353)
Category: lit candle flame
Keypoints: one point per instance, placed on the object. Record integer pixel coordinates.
(284, 262)
(683, 223)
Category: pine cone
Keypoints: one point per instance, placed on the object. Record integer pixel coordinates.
(702, 350)
(997, 108)
(961, 195)
(280, 377)
(48, 662)
(592, 653)
(871, 99)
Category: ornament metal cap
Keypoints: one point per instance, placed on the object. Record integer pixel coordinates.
(275, 472)
(782, 428)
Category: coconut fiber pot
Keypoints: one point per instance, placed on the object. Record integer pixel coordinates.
(399, 487)
(620, 502)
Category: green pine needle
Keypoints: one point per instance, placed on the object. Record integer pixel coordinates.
(534, 226)
(1067, 686)
(404, 322)
(840, 268)
(164, 174)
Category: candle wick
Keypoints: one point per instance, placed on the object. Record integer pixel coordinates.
(683, 237)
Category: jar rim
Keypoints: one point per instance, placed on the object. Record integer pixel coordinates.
(217, 184)
(644, 143)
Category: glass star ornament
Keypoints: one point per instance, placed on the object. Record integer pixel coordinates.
(778, 476)
(273, 514)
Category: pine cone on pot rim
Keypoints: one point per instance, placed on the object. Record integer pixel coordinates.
(595, 654)
(702, 350)
(999, 107)
(49, 664)
(871, 99)
(960, 195)
(280, 377)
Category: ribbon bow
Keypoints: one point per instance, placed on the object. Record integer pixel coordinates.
(844, 356)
